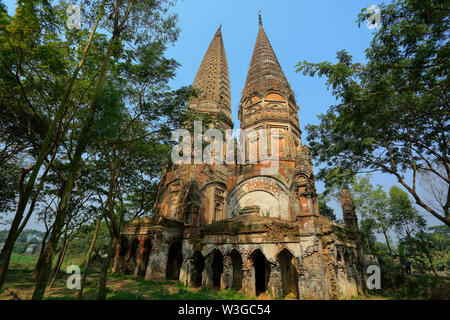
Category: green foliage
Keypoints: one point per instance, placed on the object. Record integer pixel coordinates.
(392, 115)
(384, 215)
(373, 206)
(325, 210)
(26, 238)
(124, 295)
(404, 217)
(80, 244)
(401, 286)
(9, 173)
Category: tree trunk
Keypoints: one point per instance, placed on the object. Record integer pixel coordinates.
(61, 212)
(61, 257)
(43, 152)
(5, 256)
(44, 265)
(387, 242)
(43, 244)
(88, 257)
(101, 295)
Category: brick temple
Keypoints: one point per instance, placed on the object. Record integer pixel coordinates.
(235, 226)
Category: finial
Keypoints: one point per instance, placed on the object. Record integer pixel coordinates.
(260, 18)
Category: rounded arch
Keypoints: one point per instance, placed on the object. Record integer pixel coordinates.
(288, 272)
(130, 258)
(275, 96)
(171, 197)
(212, 207)
(267, 193)
(144, 255)
(220, 183)
(198, 261)
(237, 274)
(254, 98)
(261, 271)
(216, 268)
(339, 256)
(174, 261)
(123, 247)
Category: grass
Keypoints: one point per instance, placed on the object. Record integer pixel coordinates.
(120, 287)
(23, 261)
(125, 287)
(417, 287)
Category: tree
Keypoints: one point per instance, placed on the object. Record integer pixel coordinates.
(134, 148)
(373, 204)
(325, 210)
(134, 26)
(8, 179)
(393, 112)
(38, 70)
(404, 217)
(411, 227)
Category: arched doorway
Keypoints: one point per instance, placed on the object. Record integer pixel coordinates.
(199, 266)
(216, 268)
(130, 259)
(144, 256)
(119, 263)
(174, 261)
(123, 248)
(289, 274)
(236, 262)
(261, 269)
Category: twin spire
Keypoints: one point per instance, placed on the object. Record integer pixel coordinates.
(213, 80)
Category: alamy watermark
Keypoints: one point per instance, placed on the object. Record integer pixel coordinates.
(237, 147)
(374, 280)
(73, 17)
(74, 280)
(374, 21)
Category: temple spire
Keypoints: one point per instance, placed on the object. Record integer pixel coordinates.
(260, 18)
(265, 71)
(213, 80)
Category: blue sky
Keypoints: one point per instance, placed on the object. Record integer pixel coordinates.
(298, 30)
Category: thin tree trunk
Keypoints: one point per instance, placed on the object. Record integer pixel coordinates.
(387, 242)
(101, 295)
(43, 274)
(59, 263)
(43, 244)
(88, 257)
(18, 225)
(43, 152)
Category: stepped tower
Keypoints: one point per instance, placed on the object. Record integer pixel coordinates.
(254, 226)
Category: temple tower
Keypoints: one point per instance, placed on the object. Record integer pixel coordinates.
(240, 226)
(268, 101)
(213, 82)
(180, 191)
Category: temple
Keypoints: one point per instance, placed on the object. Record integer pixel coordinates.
(254, 227)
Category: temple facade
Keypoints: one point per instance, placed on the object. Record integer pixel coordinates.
(254, 226)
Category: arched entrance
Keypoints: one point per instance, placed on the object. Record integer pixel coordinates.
(289, 274)
(130, 259)
(174, 261)
(261, 270)
(119, 262)
(144, 256)
(199, 266)
(216, 268)
(236, 262)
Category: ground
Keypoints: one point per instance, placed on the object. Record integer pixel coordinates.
(19, 285)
